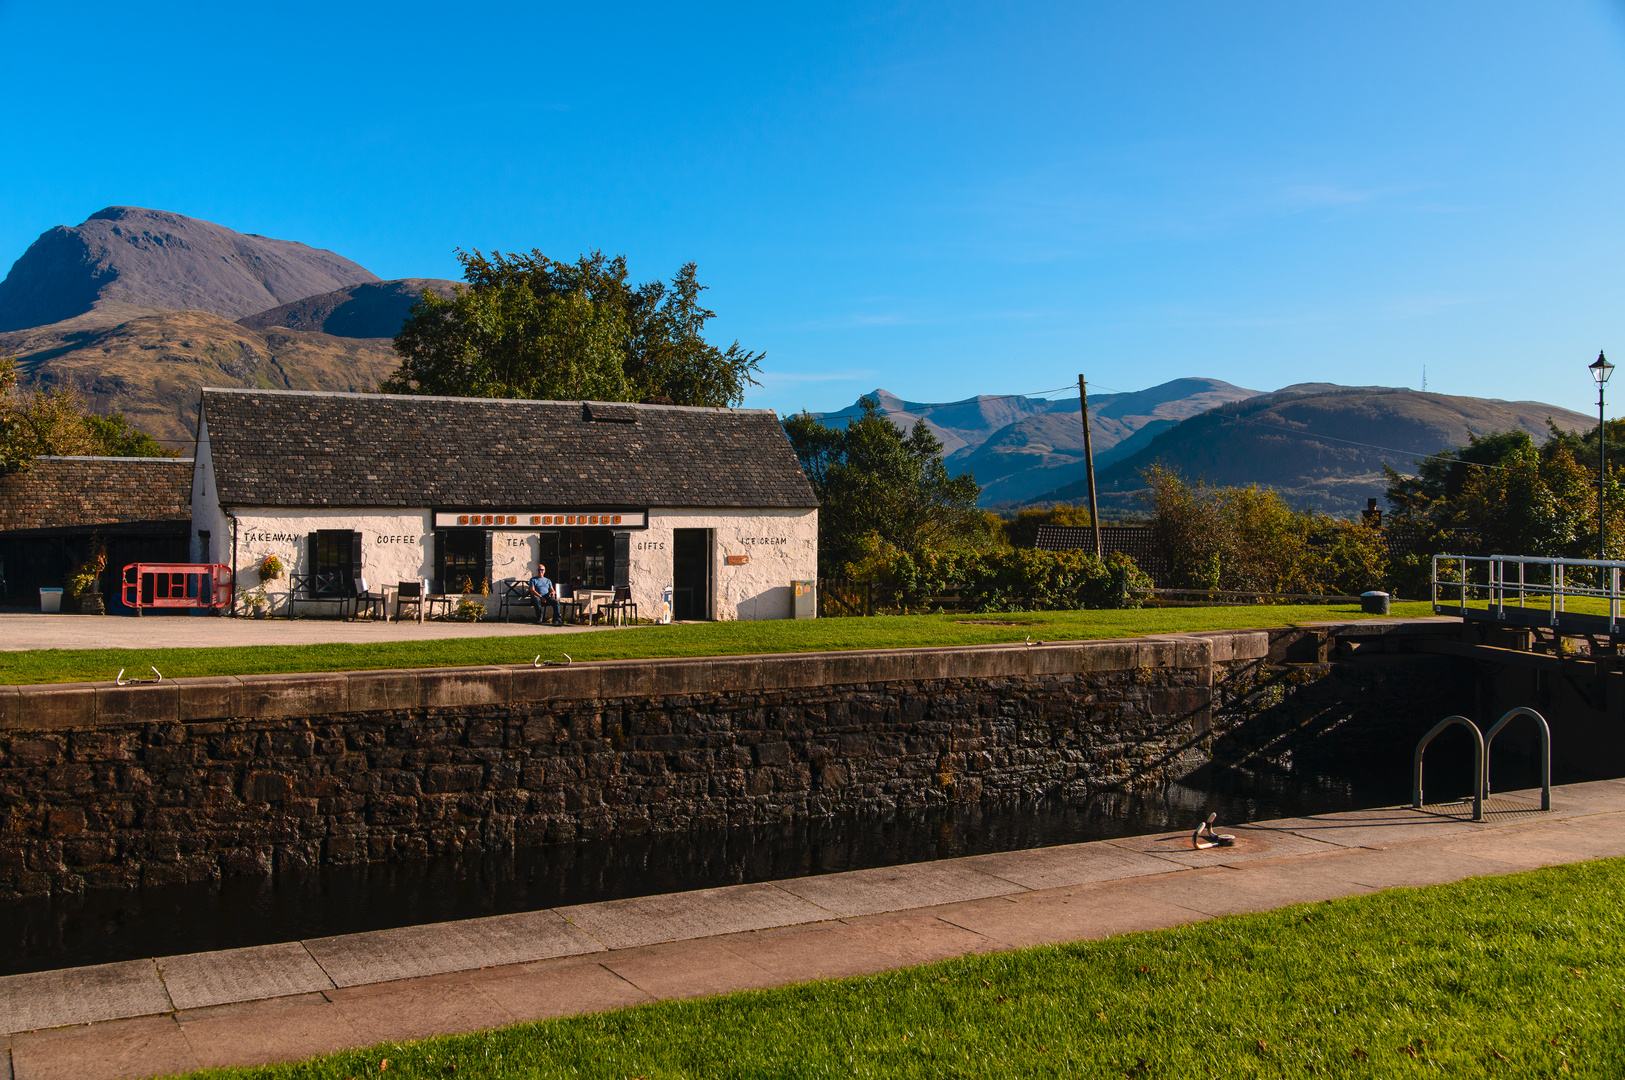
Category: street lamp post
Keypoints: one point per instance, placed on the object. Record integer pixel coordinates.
(1600, 370)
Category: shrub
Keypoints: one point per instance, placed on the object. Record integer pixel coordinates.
(1007, 579)
(88, 572)
(1248, 540)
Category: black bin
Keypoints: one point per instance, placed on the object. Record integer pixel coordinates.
(1374, 603)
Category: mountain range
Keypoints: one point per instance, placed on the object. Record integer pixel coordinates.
(1321, 446)
(137, 309)
(1019, 448)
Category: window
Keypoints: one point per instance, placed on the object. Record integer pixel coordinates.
(463, 559)
(335, 562)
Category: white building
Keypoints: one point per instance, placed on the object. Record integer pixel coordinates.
(711, 503)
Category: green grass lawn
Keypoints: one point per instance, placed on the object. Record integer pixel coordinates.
(699, 639)
(1519, 976)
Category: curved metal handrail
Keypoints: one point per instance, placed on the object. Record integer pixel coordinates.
(1478, 763)
(1545, 751)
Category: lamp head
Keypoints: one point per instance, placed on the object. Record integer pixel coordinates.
(1601, 369)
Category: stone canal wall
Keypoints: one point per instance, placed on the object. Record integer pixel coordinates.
(106, 786)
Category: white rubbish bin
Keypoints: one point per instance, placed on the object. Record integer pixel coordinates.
(50, 600)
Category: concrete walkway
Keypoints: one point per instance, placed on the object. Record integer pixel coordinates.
(30, 630)
(291, 1001)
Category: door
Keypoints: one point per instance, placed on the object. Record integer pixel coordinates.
(691, 573)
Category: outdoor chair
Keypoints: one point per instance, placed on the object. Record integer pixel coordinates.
(367, 601)
(409, 594)
(620, 609)
(440, 602)
(572, 608)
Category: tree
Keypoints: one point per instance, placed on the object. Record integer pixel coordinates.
(1022, 530)
(878, 486)
(528, 326)
(1247, 539)
(35, 423)
(1500, 493)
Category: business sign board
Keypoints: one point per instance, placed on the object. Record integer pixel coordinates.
(544, 519)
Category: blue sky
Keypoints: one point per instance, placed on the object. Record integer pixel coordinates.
(938, 199)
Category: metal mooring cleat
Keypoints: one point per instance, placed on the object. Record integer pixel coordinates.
(1205, 837)
(120, 680)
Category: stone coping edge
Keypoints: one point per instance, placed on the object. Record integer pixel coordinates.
(64, 706)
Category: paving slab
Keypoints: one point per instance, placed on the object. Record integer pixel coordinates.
(81, 995)
(1258, 841)
(197, 980)
(270, 1032)
(385, 955)
(419, 1008)
(1069, 864)
(118, 1050)
(646, 920)
(861, 946)
(1413, 865)
(689, 970)
(568, 986)
(893, 888)
(1375, 828)
(1225, 890)
(1058, 915)
(34, 630)
(1600, 836)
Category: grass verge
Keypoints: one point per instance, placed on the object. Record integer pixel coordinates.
(1518, 976)
(701, 639)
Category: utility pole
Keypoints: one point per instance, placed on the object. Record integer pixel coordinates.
(1089, 455)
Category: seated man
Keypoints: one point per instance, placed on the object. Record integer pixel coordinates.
(543, 593)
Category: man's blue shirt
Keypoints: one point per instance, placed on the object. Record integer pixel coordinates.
(541, 586)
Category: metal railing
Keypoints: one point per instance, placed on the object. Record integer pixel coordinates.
(1557, 589)
(1481, 758)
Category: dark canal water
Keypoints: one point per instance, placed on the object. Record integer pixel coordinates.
(104, 926)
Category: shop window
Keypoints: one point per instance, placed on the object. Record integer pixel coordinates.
(335, 561)
(587, 558)
(463, 559)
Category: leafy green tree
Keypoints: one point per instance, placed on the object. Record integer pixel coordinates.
(40, 423)
(1500, 493)
(878, 486)
(1247, 539)
(528, 326)
(115, 437)
(1022, 530)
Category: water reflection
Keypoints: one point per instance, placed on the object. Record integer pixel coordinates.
(119, 925)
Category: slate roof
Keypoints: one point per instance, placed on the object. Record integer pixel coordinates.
(72, 492)
(305, 448)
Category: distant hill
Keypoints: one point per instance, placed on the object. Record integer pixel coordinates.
(1019, 447)
(1321, 448)
(1038, 453)
(151, 367)
(373, 309)
(125, 261)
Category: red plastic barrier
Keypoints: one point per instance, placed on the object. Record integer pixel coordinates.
(177, 585)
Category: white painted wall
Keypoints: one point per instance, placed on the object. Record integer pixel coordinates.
(397, 545)
(782, 546)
